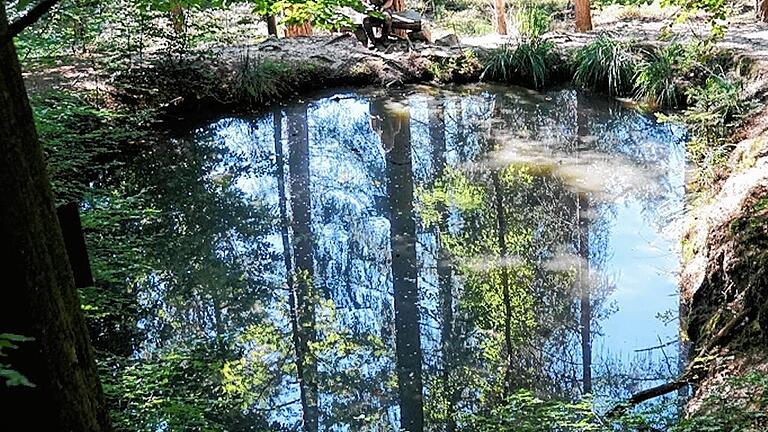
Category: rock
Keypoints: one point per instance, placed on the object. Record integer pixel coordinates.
(447, 40)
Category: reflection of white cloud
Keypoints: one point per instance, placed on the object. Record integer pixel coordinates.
(563, 261)
(607, 176)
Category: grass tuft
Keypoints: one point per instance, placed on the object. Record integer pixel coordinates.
(264, 81)
(529, 63)
(656, 78)
(605, 64)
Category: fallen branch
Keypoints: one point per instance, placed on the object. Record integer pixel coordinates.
(687, 374)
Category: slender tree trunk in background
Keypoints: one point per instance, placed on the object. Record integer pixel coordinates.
(399, 6)
(761, 10)
(585, 300)
(500, 10)
(303, 247)
(444, 273)
(39, 296)
(503, 267)
(583, 16)
(396, 137)
(272, 25)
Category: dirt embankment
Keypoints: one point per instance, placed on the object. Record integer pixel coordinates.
(724, 282)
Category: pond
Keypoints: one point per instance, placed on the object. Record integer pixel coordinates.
(367, 259)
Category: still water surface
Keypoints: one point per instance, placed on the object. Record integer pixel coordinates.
(423, 247)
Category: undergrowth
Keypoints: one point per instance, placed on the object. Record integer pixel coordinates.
(605, 64)
(264, 81)
(530, 63)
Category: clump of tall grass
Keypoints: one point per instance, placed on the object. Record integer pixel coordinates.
(656, 78)
(529, 63)
(533, 21)
(264, 81)
(605, 64)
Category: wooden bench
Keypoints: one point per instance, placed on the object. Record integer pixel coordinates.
(409, 21)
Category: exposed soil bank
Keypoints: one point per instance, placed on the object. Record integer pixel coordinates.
(724, 282)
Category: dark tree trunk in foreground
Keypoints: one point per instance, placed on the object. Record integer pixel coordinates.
(39, 296)
(583, 16)
(303, 253)
(396, 138)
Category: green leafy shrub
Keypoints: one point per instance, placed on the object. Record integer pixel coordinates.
(739, 404)
(10, 376)
(533, 21)
(713, 110)
(457, 69)
(605, 64)
(656, 77)
(529, 63)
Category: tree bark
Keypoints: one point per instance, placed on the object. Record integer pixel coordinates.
(303, 252)
(500, 11)
(583, 16)
(396, 138)
(39, 296)
(761, 10)
(272, 25)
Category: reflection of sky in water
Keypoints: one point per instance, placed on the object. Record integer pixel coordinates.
(631, 168)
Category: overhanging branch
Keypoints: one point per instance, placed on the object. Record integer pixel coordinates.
(27, 20)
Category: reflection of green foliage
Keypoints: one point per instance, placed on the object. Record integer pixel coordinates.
(524, 412)
(7, 373)
(453, 189)
(177, 389)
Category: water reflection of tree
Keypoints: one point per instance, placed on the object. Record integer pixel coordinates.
(201, 286)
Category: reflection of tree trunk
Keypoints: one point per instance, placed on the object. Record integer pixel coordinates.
(39, 296)
(303, 247)
(404, 264)
(444, 276)
(583, 279)
(585, 299)
(277, 122)
(502, 244)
